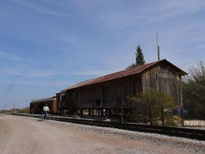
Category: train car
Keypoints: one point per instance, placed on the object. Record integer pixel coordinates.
(36, 106)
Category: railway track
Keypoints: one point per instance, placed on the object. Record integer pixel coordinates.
(170, 131)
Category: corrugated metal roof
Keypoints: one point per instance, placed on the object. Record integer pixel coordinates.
(43, 100)
(124, 73)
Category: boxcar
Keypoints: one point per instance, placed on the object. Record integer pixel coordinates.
(36, 106)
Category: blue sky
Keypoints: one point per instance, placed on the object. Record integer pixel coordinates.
(48, 45)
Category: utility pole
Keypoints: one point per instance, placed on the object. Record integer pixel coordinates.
(13, 107)
(158, 51)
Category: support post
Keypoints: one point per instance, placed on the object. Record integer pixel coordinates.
(101, 112)
(81, 112)
(162, 115)
(98, 112)
(122, 120)
(150, 115)
(182, 117)
(89, 112)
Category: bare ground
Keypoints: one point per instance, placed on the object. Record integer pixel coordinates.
(23, 135)
(199, 124)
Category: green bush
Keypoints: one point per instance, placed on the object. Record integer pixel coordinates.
(172, 120)
(24, 110)
(149, 106)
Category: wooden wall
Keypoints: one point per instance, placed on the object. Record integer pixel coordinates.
(62, 102)
(110, 94)
(55, 108)
(163, 78)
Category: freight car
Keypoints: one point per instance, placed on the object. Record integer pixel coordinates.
(36, 106)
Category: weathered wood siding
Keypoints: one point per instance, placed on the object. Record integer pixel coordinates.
(62, 102)
(163, 78)
(110, 94)
(58, 102)
(55, 108)
(113, 94)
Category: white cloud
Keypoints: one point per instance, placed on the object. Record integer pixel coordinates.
(41, 74)
(2, 54)
(61, 3)
(68, 39)
(13, 72)
(118, 19)
(36, 8)
(37, 83)
(92, 72)
(30, 73)
(42, 83)
(13, 57)
(153, 12)
(167, 9)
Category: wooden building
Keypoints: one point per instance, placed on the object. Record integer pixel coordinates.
(107, 95)
(36, 106)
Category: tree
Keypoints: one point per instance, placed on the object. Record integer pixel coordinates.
(139, 58)
(131, 66)
(152, 104)
(194, 91)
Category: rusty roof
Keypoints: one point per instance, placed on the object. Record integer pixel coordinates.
(43, 100)
(124, 73)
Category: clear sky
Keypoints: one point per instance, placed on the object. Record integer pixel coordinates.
(48, 45)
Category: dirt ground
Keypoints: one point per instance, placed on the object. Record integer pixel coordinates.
(24, 135)
(195, 123)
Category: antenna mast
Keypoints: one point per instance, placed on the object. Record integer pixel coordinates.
(158, 51)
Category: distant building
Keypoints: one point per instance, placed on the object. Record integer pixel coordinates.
(36, 106)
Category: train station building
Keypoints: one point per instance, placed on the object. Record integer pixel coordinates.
(107, 95)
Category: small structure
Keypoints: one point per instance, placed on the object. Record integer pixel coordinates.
(107, 95)
(36, 106)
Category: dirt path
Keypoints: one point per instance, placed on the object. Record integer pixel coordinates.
(23, 135)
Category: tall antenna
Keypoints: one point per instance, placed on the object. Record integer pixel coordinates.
(158, 52)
